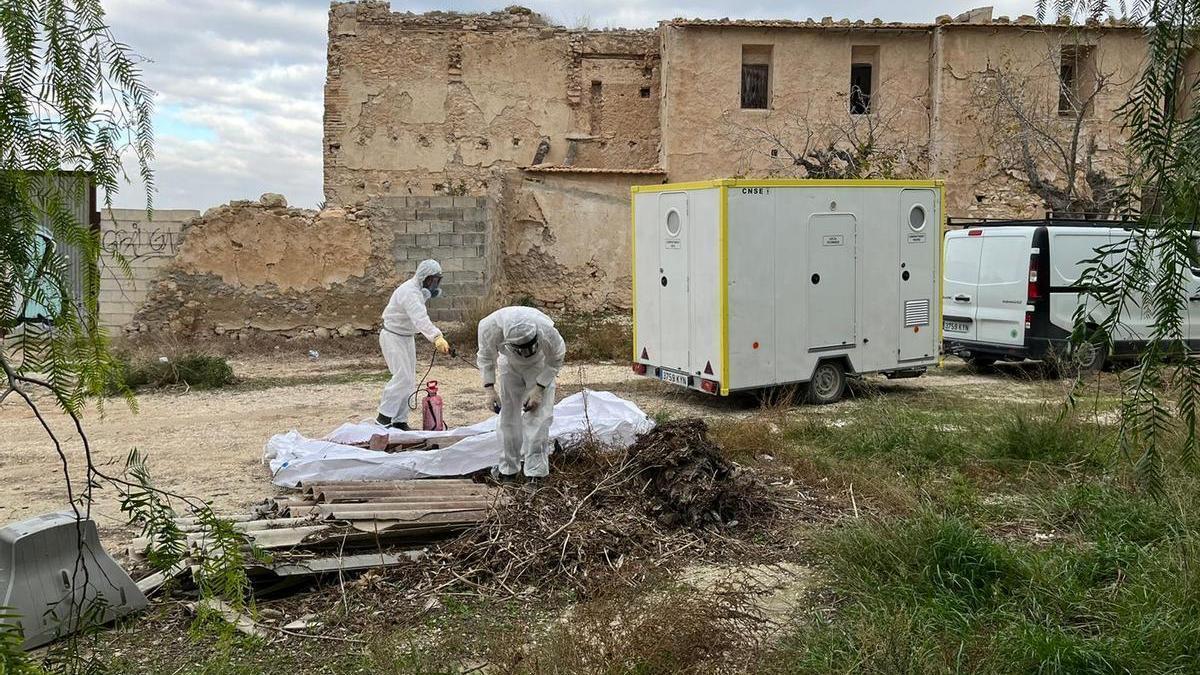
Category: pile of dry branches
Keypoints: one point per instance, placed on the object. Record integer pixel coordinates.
(606, 516)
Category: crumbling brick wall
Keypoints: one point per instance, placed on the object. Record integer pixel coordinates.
(261, 267)
(448, 103)
(553, 124)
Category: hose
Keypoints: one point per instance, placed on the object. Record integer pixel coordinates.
(412, 399)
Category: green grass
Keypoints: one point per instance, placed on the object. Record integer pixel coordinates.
(936, 593)
(995, 538)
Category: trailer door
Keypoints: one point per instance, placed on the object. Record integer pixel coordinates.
(673, 302)
(832, 292)
(919, 230)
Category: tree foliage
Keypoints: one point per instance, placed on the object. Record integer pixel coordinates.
(71, 102)
(1149, 271)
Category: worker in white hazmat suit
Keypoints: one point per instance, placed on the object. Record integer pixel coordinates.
(404, 317)
(520, 353)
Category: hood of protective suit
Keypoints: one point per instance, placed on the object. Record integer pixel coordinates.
(519, 332)
(427, 268)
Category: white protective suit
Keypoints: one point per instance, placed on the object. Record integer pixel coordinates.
(523, 435)
(404, 317)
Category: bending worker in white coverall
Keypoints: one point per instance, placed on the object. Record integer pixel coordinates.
(403, 318)
(523, 345)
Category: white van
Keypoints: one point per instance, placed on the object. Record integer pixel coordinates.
(747, 284)
(1011, 289)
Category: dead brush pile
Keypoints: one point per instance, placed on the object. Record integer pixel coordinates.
(607, 516)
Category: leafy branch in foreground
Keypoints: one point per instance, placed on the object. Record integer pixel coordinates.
(73, 109)
(72, 106)
(1149, 271)
(223, 549)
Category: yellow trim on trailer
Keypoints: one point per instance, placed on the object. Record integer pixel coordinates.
(941, 273)
(633, 264)
(723, 242)
(831, 182)
(787, 182)
(671, 187)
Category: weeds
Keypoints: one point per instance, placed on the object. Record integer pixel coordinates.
(667, 630)
(590, 336)
(949, 597)
(194, 371)
(1049, 436)
(596, 336)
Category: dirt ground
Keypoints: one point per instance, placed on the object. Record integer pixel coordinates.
(210, 444)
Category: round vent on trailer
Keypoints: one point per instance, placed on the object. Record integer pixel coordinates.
(674, 224)
(916, 218)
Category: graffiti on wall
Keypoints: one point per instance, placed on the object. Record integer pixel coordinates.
(131, 241)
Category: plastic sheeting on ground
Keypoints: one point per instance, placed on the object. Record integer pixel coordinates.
(295, 459)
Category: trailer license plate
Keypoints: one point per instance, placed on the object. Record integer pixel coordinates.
(956, 326)
(673, 377)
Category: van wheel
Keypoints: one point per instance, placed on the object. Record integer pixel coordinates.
(828, 383)
(1089, 358)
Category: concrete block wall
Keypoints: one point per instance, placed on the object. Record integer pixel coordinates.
(143, 243)
(455, 231)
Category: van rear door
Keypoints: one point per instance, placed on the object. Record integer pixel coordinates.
(960, 285)
(1003, 286)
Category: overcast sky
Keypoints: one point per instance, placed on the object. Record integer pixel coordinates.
(240, 82)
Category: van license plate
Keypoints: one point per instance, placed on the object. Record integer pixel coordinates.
(956, 326)
(673, 377)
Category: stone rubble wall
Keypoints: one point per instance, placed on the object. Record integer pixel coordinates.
(262, 267)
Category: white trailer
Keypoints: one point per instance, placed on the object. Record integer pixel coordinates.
(747, 284)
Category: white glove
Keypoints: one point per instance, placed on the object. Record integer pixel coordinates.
(494, 397)
(535, 398)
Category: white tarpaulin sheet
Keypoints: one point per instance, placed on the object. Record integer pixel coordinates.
(295, 459)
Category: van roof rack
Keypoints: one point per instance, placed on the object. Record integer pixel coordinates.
(1066, 220)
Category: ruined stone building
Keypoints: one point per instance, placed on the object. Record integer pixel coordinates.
(553, 125)
(506, 146)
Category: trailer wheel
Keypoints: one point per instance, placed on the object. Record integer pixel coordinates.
(828, 383)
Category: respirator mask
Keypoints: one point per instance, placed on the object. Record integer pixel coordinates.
(526, 349)
(431, 288)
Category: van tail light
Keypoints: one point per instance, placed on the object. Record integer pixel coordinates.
(710, 386)
(975, 233)
(1028, 320)
(1033, 278)
(639, 368)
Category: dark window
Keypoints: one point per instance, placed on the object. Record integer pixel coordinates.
(1076, 80)
(755, 78)
(644, 92)
(860, 88)
(1067, 83)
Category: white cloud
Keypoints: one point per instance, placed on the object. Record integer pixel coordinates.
(243, 79)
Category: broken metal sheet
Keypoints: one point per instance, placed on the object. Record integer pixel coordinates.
(252, 525)
(306, 622)
(347, 563)
(238, 620)
(419, 517)
(400, 505)
(397, 531)
(152, 583)
(295, 459)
